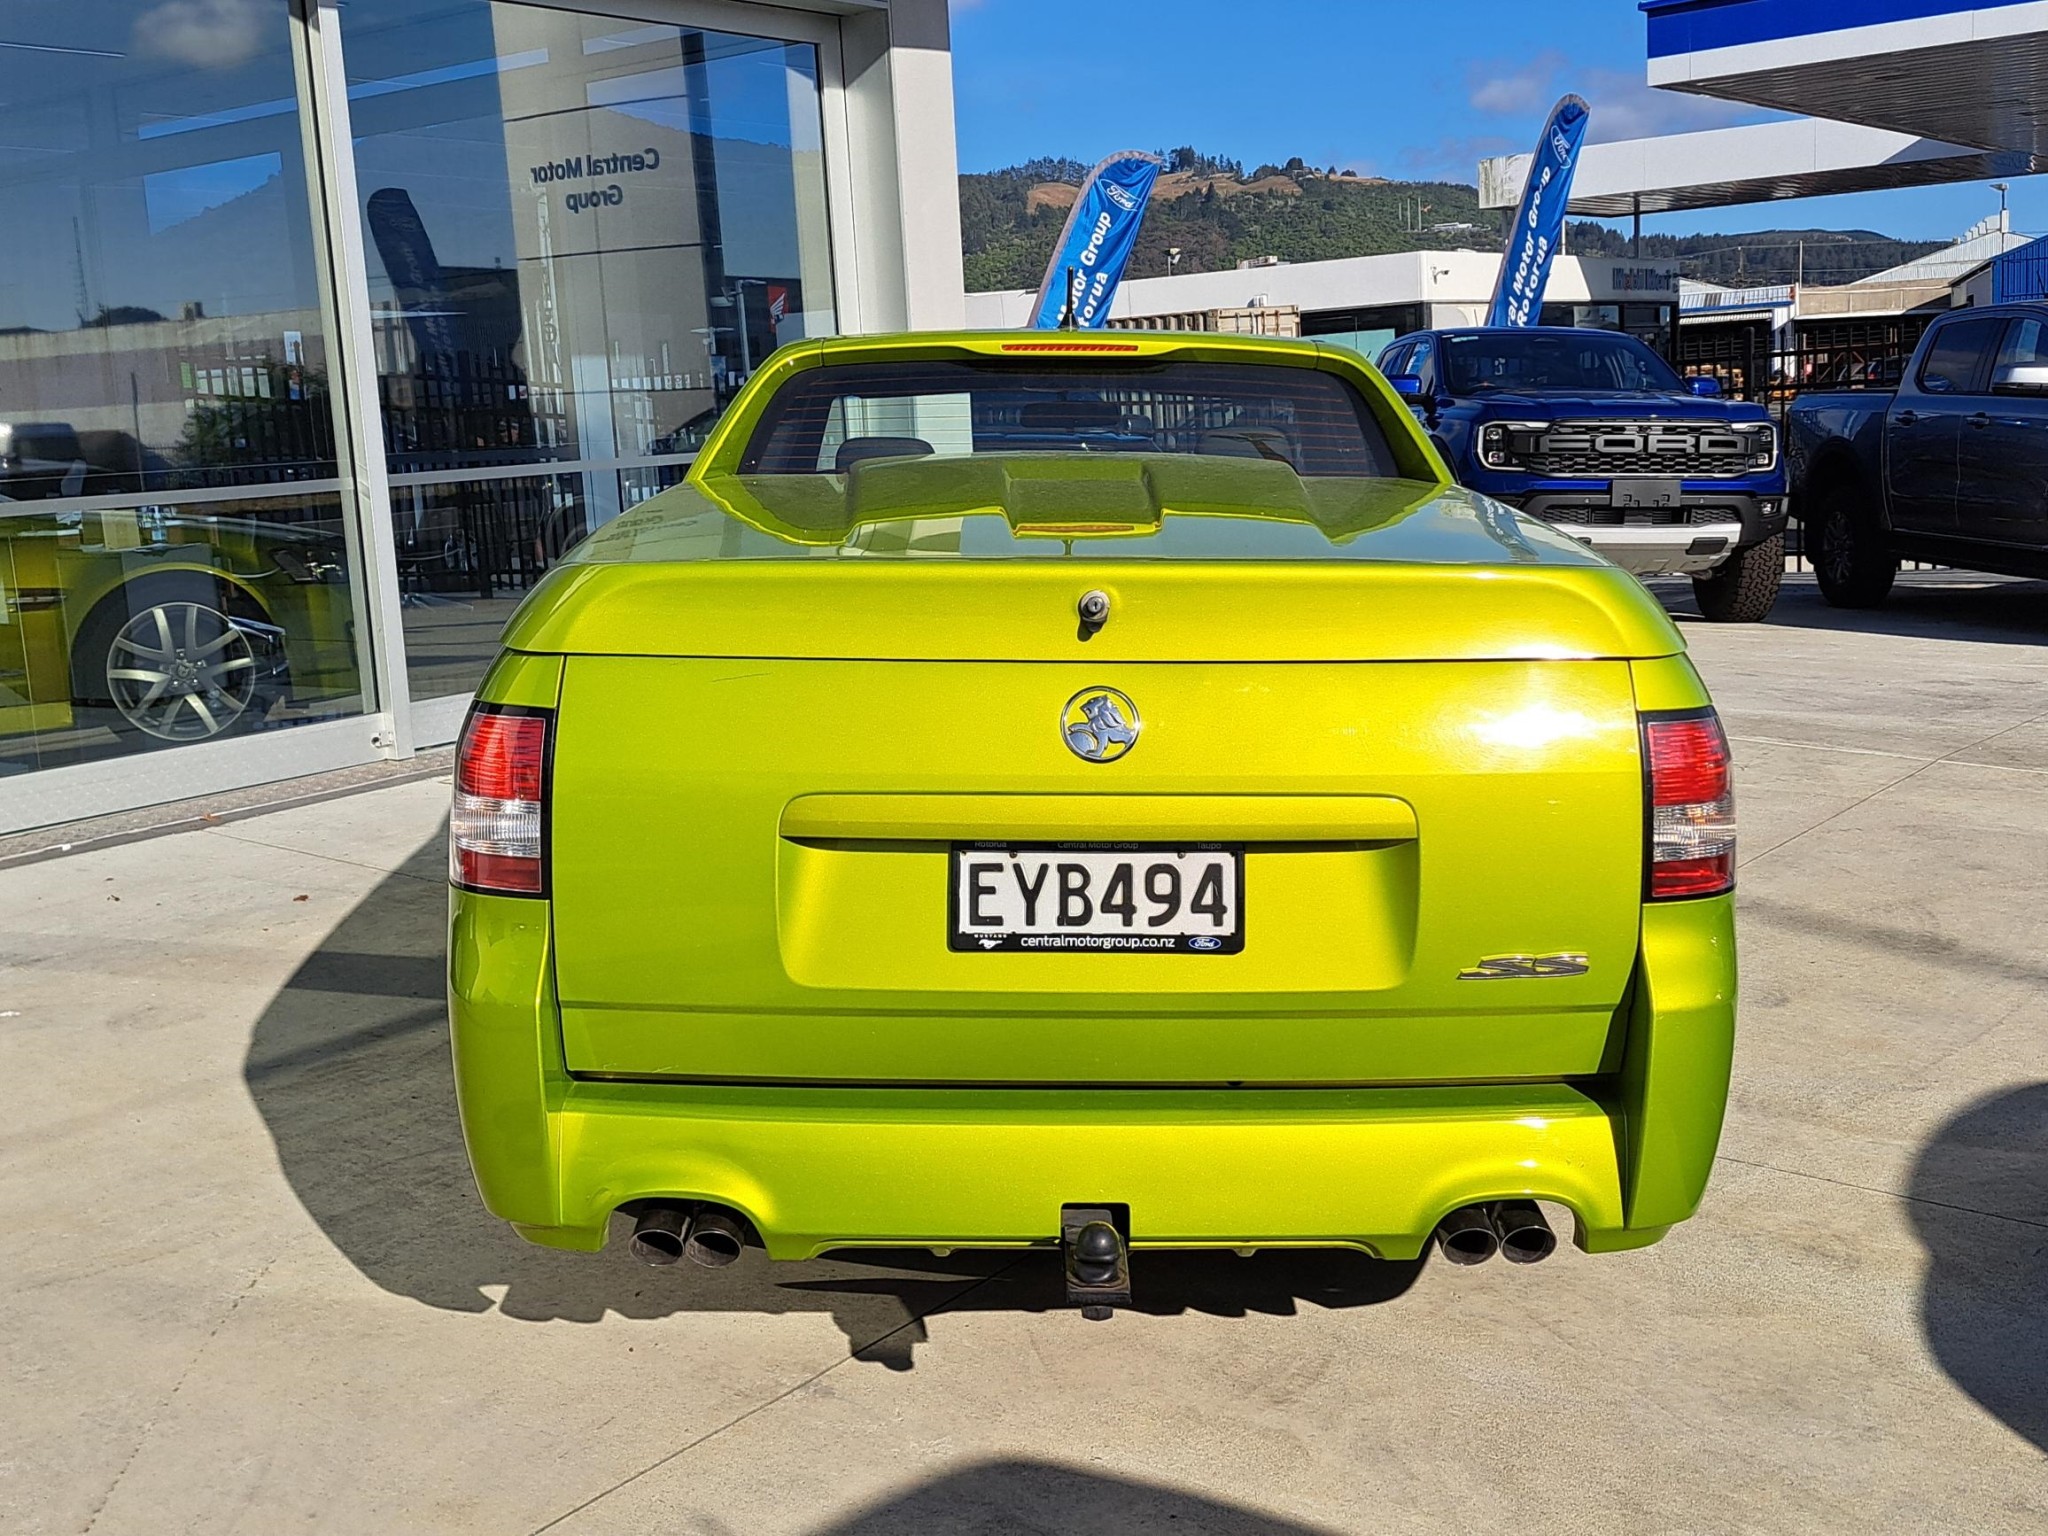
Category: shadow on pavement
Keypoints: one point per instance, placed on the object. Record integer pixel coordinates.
(1012, 1496)
(1928, 605)
(1984, 1303)
(349, 1069)
(1896, 941)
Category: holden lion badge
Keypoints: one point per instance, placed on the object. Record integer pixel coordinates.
(1100, 724)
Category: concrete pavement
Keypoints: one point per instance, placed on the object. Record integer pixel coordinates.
(249, 1288)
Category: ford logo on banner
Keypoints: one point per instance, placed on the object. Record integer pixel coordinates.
(1539, 220)
(1096, 245)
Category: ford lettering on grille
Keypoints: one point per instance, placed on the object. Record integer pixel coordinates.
(1602, 450)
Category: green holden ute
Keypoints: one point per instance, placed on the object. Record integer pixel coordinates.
(1091, 791)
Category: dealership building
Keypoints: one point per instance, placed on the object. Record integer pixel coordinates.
(325, 328)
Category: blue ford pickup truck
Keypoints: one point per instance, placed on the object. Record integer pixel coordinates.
(1952, 468)
(1593, 432)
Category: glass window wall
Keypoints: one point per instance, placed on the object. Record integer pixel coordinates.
(583, 235)
(1367, 331)
(173, 562)
(1648, 323)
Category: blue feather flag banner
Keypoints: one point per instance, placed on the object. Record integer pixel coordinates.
(1095, 247)
(1539, 219)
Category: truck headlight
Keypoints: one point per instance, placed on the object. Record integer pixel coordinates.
(1763, 447)
(1493, 447)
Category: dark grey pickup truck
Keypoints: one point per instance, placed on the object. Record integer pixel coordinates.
(1952, 468)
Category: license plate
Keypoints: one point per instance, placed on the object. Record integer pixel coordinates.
(1644, 493)
(1123, 900)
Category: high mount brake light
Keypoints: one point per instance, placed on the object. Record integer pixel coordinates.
(1070, 346)
(1692, 805)
(497, 827)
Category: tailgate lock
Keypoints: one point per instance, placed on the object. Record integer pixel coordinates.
(1094, 611)
(1095, 1253)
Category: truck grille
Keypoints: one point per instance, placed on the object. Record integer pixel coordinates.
(1602, 450)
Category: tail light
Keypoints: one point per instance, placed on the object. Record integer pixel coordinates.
(497, 827)
(1692, 805)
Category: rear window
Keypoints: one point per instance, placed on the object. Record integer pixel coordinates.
(826, 420)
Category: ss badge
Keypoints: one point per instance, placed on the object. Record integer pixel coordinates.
(1522, 967)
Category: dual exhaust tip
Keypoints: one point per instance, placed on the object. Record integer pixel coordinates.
(709, 1235)
(712, 1236)
(1514, 1229)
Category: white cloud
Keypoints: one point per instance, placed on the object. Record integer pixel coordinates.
(208, 34)
(1525, 92)
(1623, 105)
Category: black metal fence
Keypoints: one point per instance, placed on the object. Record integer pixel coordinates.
(1751, 364)
(1832, 354)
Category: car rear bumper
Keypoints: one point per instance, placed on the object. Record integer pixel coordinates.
(818, 1168)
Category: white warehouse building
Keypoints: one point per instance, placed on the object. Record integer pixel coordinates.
(1366, 301)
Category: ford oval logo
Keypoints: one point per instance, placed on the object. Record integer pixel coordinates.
(1205, 941)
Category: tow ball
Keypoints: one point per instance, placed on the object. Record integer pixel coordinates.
(1095, 1251)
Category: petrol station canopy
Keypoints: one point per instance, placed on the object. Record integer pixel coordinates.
(1916, 92)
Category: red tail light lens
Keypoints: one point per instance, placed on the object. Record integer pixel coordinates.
(1692, 805)
(497, 827)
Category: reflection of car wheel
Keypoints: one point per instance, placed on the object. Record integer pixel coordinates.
(1846, 547)
(173, 664)
(1742, 588)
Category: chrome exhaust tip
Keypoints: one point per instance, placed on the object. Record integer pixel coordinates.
(662, 1234)
(716, 1237)
(1466, 1236)
(1524, 1236)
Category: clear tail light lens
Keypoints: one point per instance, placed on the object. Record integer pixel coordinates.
(497, 827)
(1692, 805)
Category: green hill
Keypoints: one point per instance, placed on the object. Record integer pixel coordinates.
(1219, 215)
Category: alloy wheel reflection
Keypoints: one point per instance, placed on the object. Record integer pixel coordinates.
(181, 672)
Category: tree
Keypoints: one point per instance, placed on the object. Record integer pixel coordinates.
(121, 314)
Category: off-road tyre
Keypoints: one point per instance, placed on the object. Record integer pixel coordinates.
(1846, 547)
(1742, 588)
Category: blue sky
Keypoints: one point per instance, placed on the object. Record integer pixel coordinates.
(1397, 88)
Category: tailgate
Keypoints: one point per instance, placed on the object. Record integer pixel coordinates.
(752, 868)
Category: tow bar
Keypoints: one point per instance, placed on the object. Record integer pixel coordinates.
(1095, 1249)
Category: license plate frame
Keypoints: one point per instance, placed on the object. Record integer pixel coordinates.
(1178, 935)
(1654, 493)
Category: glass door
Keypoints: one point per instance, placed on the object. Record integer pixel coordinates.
(583, 234)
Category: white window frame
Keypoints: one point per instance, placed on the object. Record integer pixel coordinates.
(49, 796)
